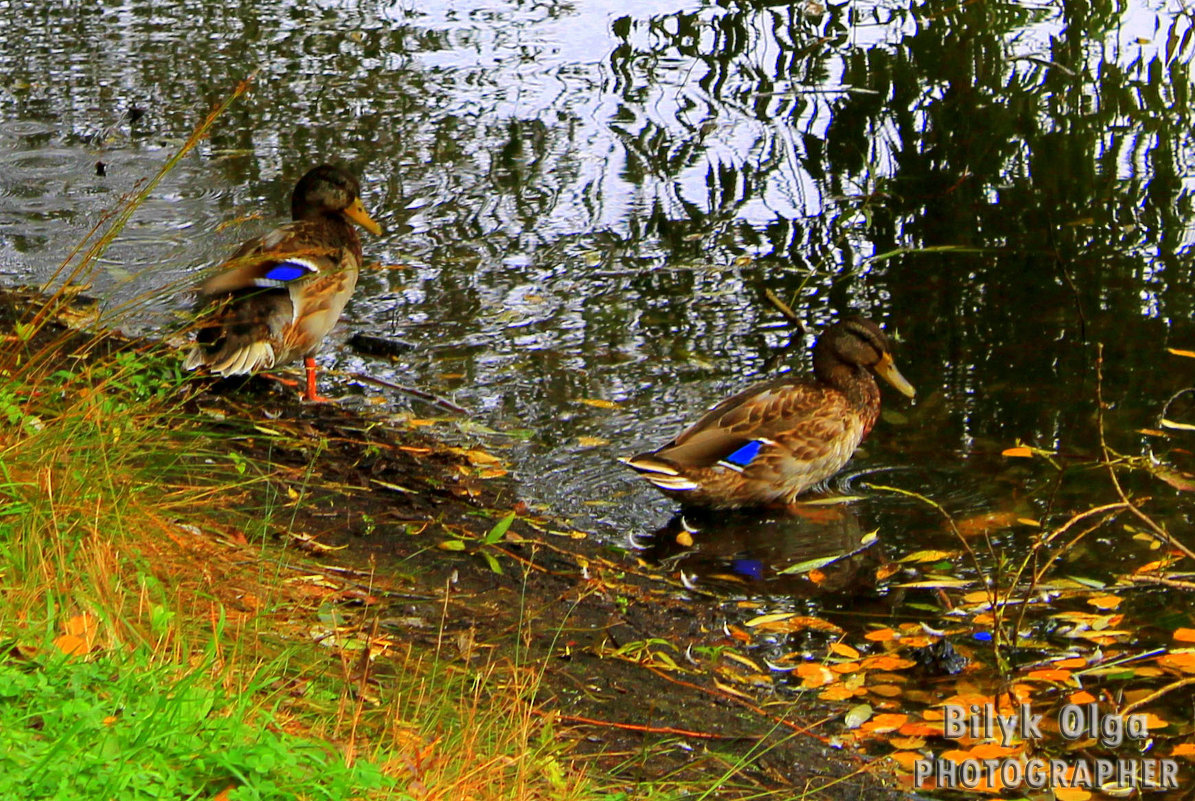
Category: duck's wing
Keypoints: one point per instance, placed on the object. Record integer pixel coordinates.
(802, 417)
(295, 252)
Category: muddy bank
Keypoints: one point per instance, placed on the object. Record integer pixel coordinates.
(409, 531)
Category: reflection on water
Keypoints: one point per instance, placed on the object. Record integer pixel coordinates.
(769, 553)
(584, 203)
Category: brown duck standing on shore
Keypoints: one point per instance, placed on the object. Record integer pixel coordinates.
(774, 440)
(280, 294)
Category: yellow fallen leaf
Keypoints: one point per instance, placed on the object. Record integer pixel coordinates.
(592, 442)
(1020, 452)
(1190, 354)
(928, 556)
(600, 403)
(1105, 601)
(1184, 635)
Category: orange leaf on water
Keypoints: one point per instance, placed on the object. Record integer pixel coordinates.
(1105, 601)
(1049, 675)
(1183, 750)
(921, 729)
(986, 523)
(1071, 794)
(842, 649)
(1183, 662)
(886, 690)
(883, 724)
(886, 662)
(1074, 662)
(1020, 452)
(1184, 635)
(1081, 697)
(880, 635)
(886, 570)
(906, 743)
(839, 692)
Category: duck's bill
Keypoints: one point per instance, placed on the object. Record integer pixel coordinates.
(887, 371)
(359, 215)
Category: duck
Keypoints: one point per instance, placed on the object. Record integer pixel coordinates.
(776, 439)
(280, 294)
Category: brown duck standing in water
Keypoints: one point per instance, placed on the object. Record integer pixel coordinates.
(280, 294)
(774, 440)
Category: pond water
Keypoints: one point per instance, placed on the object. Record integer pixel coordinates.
(584, 203)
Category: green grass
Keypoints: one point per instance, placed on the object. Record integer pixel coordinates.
(125, 725)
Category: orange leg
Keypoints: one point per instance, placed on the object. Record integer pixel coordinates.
(311, 395)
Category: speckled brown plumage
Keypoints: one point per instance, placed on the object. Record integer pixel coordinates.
(774, 440)
(280, 294)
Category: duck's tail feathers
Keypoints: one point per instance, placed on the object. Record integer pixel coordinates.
(228, 362)
(659, 473)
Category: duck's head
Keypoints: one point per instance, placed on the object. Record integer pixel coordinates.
(858, 342)
(327, 190)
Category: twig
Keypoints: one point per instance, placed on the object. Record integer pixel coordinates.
(1149, 699)
(699, 735)
(428, 397)
(784, 309)
(1160, 532)
(1165, 582)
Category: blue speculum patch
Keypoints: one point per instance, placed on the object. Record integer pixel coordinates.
(743, 456)
(287, 271)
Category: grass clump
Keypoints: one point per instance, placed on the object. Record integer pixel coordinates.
(127, 726)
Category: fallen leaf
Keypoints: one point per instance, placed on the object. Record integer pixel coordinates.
(1105, 601)
(843, 649)
(592, 442)
(1020, 452)
(599, 403)
(929, 556)
(857, 716)
(1190, 354)
(1184, 635)
(986, 523)
(883, 724)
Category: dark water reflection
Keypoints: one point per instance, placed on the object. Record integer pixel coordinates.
(586, 203)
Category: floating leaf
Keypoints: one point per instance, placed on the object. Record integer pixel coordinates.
(808, 565)
(1183, 750)
(906, 743)
(1183, 662)
(843, 649)
(1183, 482)
(929, 556)
(1020, 452)
(499, 530)
(1049, 674)
(451, 545)
(839, 692)
(592, 442)
(881, 635)
(1184, 635)
(1105, 601)
(986, 523)
(599, 403)
(884, 724)
(857, 716)
(886, 570)
(1190, 354)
